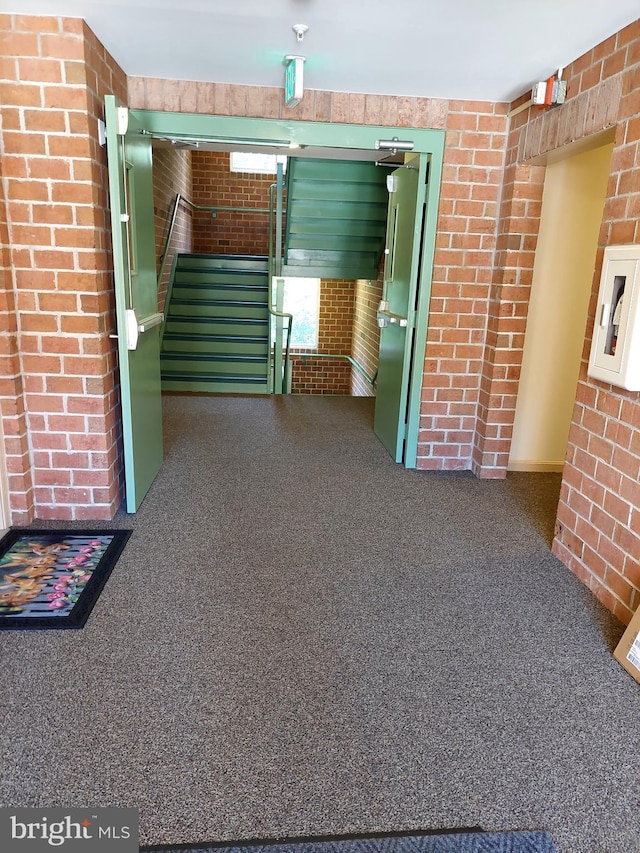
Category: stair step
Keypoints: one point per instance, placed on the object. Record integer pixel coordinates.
(217, 326)
(338, 210)
(221, 384)
(341, 191)
(220, 291)
(232, 344)
(257, 279)
(244, 262)
(215, 308)
(213, 364)
(347, 171)
(313, 269)
(353, 227)
(334, 242)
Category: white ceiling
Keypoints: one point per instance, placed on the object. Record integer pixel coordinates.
(464, 49)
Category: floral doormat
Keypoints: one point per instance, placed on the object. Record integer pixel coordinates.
(52, 578)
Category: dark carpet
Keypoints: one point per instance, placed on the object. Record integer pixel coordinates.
(302, 638)
(454, 842)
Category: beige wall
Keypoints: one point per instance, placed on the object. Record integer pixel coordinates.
(572, 203)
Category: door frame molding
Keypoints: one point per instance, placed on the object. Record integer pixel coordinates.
(289, 134)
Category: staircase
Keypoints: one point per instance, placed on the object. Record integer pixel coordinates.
(336, 218)
(216, 337)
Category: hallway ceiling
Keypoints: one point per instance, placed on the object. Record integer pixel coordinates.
(464, 49)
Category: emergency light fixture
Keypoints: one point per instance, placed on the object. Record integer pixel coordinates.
(293, 80)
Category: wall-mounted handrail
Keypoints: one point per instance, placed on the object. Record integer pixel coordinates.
(282, 368)
(213, 208)
(304, 354)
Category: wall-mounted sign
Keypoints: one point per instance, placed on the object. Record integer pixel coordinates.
(293, 80)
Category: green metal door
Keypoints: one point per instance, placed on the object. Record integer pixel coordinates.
(138, 320)
(397, 310)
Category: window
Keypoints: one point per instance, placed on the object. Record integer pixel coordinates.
(261, 164)
(302, 299)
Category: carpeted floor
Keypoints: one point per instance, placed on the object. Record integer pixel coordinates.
(302, 638)
(462, 841)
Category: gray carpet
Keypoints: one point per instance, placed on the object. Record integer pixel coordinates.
(302, 638)
(464, 842)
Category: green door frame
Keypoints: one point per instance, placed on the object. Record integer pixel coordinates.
(291, 134)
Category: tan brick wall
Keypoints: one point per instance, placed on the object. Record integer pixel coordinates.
(171, 176)
(229, 233)
(55, 75)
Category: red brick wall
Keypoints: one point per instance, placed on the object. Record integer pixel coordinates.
(466, 242)
(598, 524)
(486, 242)
(171, 175)
(487, 234)
(476, 134)
(232, 233)
(11, 387)
(53, 81)
(365, 342)
(328, 375)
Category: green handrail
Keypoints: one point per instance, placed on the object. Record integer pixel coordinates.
(210, 207)
(302, 355)
(282, 376)
(281, 369)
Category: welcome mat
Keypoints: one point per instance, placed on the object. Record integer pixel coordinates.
(472, 840)
(52, 578)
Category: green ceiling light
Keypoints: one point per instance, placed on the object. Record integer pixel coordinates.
(293, 80)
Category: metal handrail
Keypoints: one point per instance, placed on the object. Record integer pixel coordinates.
(210, 207)
(275, 271)
(274, 255)
(304, 354)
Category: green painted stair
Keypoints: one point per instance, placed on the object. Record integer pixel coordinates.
(216, 337)
(336, 218)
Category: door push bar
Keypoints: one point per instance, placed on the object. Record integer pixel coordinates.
(136, 327)
(386, 318)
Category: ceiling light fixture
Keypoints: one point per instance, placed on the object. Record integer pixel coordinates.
(300, 30)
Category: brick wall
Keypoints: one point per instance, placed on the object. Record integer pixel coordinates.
(486, 241)
(171, 175)
(328, 375)
(11, 387)
(487, 234)
(476, 135)
(66, 464)
(365, 342)
(598, 524)
(234, 233)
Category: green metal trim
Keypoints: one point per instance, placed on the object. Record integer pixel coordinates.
(167, 300)
(421, 323)
(350, 359)
(281, 132)
(333, 135)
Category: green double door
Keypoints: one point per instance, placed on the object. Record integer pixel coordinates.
(402, 316)
(402, 313)
(136, 297)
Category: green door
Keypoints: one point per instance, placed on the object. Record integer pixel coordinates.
(397, 310)
(136, 293)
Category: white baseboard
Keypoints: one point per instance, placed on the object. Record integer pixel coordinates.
(534, 465)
